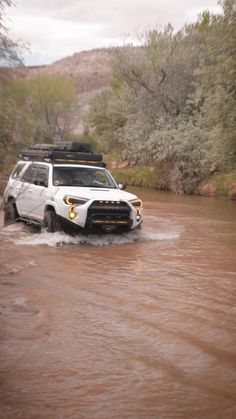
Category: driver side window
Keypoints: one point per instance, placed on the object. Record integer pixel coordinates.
(41, 177)
(29, 174)
(38, 175)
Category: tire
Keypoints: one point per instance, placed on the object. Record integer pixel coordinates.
(51, 222)
(10, 213)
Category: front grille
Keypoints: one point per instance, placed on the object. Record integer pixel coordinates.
(108, 213)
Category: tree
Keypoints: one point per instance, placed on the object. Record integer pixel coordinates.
(216, 90)
(161, 69)
(10, 51)
(15, 120)
(106, 115)
(10, 55)
(34, 110)
(149, 83)
(52, 104)
(175, 96)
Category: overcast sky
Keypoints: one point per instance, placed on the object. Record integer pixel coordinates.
(58, 28)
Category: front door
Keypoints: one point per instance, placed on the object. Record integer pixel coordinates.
(31, 198)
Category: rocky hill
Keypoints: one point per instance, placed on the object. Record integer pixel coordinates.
(91, 71)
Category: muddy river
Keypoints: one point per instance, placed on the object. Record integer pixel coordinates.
(135, 326)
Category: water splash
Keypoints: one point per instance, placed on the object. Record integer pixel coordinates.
(151, 235)
(59, 239)
(24, 235)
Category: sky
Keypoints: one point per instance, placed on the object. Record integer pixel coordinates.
(58, 28)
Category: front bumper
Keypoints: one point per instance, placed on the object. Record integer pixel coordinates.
(102, 216)
(109, 213)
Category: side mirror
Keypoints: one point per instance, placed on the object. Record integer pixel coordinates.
(122, 186)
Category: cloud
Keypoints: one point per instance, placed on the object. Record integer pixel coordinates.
(56, 28)
(59, 38)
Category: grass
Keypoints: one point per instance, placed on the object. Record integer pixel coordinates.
(137, 176)
(219, 185)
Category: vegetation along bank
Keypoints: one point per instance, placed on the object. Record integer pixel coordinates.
(219, 185)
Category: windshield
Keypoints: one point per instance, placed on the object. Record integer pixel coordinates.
(82, 176)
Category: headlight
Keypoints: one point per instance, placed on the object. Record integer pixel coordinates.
(73, 200)
(137, 203)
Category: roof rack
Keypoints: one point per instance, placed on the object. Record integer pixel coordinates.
(63, 152)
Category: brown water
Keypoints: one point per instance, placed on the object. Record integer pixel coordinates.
(138, 326)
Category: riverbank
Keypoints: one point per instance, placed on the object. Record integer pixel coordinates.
(221, 185)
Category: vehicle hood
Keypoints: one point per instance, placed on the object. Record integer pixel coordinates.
(101, 194)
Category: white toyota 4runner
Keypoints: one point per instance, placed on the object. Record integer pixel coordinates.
(66, 187)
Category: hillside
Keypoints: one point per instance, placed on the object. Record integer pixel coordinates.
(91, 71)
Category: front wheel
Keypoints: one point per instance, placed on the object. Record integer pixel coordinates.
(10, 213)
(51, 222)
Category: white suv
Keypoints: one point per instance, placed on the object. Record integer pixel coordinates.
(67, 188)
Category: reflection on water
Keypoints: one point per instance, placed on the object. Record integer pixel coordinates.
(134, 326)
